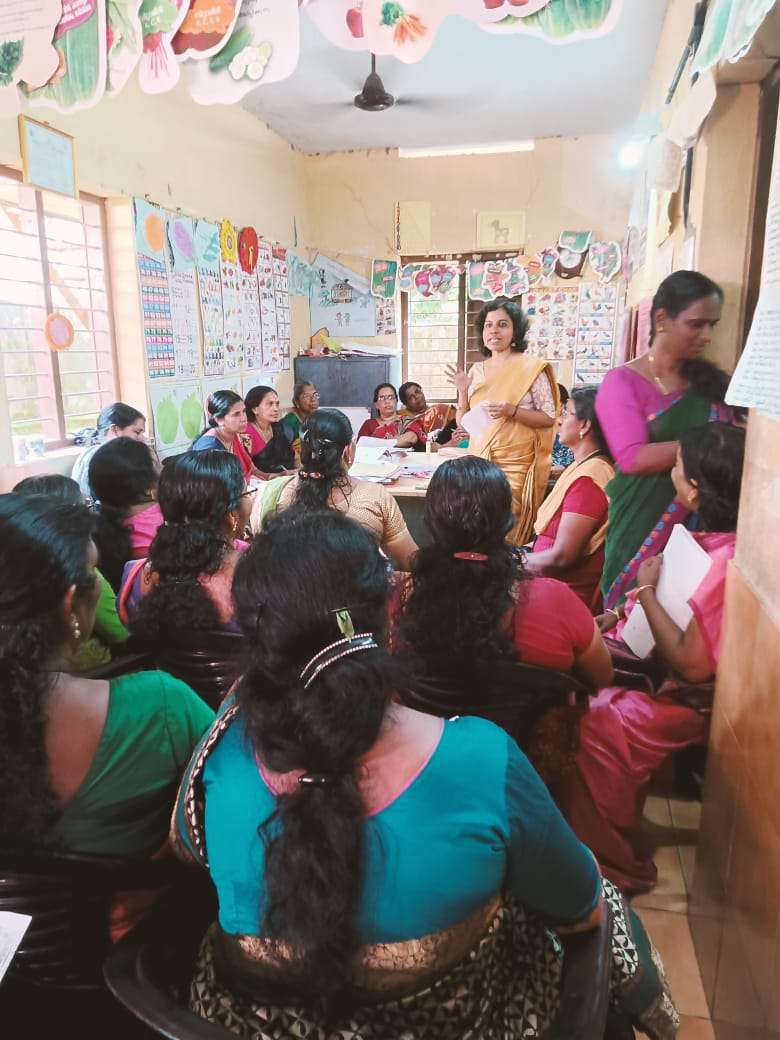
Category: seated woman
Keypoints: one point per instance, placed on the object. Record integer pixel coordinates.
(571, 524)
(115, 420)
(111, 790)
(561, 455)
(271, 450)
(389, 424)
(226, 430)
(629, 732)
(305, 399)
(436, 420)
(377, 870)
(323, 482)
(123, 475)
(471, 575)
(109, 634)
(185, 585)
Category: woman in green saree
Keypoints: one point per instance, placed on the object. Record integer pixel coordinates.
(644, 407)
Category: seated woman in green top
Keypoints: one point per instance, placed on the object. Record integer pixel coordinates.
(111, 790)
(109, 634)
(375, 866)
(305, 399)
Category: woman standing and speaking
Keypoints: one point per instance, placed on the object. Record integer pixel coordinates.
(520, 397)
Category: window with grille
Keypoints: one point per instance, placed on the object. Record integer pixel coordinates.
(440, 331)
(53, 260)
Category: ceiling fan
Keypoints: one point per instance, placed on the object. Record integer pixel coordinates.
(373, 97)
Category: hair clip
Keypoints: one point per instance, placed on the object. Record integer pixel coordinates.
(309, 475)
(344, 621)
(352, 645)
(313, 780)
(475, 557)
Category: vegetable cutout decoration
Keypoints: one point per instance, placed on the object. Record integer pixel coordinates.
(605, 259)
(166, 421)
(564, 21)
(124, 40)
(206, 28)
(160, 19)
(26, 50)
(80, 40)
(191, 416)
(263, 48)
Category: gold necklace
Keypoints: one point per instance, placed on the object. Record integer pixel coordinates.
(657, 379)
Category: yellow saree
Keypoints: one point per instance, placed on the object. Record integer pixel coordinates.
(523, 453)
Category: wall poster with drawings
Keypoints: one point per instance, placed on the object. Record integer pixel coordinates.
(250, 298)
(184, 296)
(385, 317)
(230, 277)
(177, 411)
(341, 300)
(210, 290)
(596, 329)
(265, 279)
(150, 242)
(282, 300)
(552, 314)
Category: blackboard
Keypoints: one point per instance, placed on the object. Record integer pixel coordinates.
(349, 382)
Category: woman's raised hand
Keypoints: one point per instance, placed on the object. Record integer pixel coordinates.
(459, 377)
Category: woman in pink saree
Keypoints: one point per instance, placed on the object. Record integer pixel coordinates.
(630, 730)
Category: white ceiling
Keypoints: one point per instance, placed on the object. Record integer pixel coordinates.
(472, 87)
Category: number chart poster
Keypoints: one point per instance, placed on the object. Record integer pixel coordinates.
(340, 300)
(207, 260)
(150, 239)
(184, 296)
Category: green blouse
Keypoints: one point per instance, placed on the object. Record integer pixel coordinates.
(124, 803)
(475, 821)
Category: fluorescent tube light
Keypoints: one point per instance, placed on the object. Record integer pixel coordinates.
(467, 149)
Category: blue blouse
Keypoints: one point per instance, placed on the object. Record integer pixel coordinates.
(477, 819)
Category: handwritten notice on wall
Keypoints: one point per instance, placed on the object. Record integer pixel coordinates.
(756, 381)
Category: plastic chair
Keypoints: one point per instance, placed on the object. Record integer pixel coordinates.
(512, 694)
(124, 664)
(206, 661)
(148, 972)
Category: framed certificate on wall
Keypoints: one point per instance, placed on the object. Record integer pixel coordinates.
(48, 158)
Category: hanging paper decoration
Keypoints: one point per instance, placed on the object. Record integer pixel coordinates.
(233, 328)
(495, 278)
(263, 48)
(58, 332)
(532, 265)
(340, 22)
(577, 241)
(513, 8)
(184, 296)
(406, 277)
(564, 21)
(434, 279)
(475, 273)
(548, 258)
(606, 259)
(572, 253)
(207, 260)
(124, 40)
(300, 275)
(155, 290)
(384, 274)
(248, 254)
(518, 281)
(26, 50)
(80, 40)
(207, 26)
(158, 70)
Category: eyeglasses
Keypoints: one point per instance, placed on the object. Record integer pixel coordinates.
(309, 397)
(386, 397)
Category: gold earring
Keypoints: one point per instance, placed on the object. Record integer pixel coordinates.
(582, 434)
(235, 524)
(75, 627)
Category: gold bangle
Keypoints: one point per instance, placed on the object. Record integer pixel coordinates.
(610, 610)
(643, 587)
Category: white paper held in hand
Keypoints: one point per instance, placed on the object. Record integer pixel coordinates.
(476, 421)
(12, 929)
(685, 566)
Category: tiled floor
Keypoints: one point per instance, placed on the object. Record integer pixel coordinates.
(671, 826)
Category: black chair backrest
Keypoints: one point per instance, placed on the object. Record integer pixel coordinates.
(512, 694)
(206, 661)
(69, 899)
(122, 664)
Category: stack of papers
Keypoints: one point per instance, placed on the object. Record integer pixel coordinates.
(476, 421)
(375, 471)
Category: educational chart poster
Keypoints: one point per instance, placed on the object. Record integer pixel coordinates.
(341, 300)
(150, 244)
(248, 245)
(385, 318)
(282, 301)
(552, 312)
(210, 289)
(232, 316)
(265, 281)
(184, 296)
(595, 332)
(384, 274)
(178, 416)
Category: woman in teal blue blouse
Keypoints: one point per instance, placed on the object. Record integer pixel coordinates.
(380, 871)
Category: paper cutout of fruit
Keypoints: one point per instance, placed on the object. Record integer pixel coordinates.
(247, 249)
(228, 242)
(182, 239)
(191, 416)
(166, 421)
(154, 232)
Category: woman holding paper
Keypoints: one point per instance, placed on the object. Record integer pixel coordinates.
(509, 404)
(629, 731)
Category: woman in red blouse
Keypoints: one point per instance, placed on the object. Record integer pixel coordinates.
(571, 525)
(389, 423)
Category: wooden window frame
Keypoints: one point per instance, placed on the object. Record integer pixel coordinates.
(65, 440)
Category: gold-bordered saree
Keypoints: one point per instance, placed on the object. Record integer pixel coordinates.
(523, 453)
